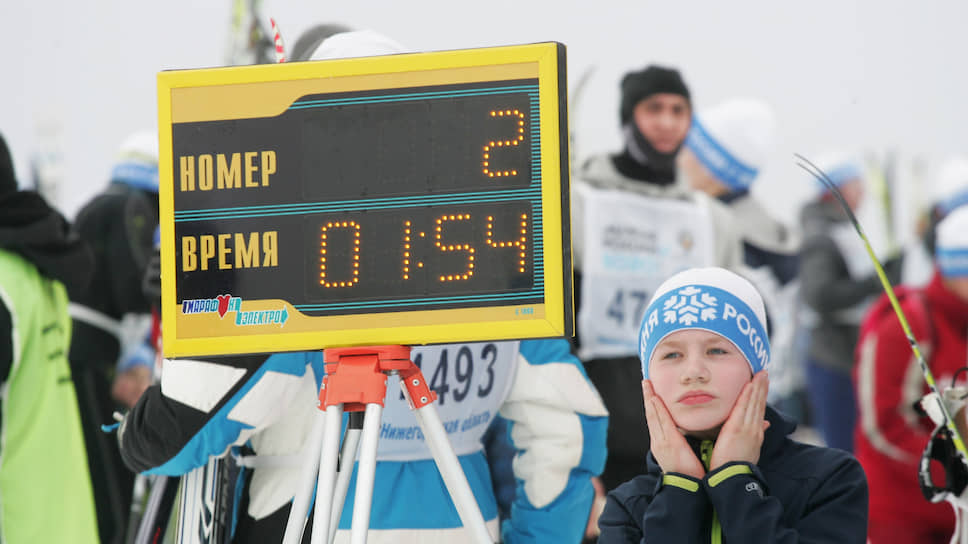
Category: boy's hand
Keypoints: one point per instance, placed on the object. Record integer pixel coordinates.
(741, 437)
(669, 446)
(598, 505)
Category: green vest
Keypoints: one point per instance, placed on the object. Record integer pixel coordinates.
(45, 487)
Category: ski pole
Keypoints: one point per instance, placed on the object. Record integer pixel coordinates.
(928, 376)
(574, 100)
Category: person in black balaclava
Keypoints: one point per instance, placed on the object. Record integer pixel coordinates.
(633, 225)
(655, 119)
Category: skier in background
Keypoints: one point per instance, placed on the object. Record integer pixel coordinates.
(727, 147)
(949, 191)
(45, 484)
(118, 224)
(838, 284)
(890, 435)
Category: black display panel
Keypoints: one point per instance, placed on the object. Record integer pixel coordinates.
(364, 202)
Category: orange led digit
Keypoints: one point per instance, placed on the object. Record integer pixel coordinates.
(406, 250)
(520, 243)
(323, 250)
(438, 235)
(518, 138)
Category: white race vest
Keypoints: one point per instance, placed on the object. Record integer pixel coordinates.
(632, 244)
(471, 381)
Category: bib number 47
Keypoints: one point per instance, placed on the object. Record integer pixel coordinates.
(626, 307)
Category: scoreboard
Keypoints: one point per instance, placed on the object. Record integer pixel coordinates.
(401, 199)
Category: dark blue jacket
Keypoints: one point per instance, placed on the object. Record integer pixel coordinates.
(796, 493)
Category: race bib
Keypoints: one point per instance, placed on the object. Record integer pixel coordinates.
(632, 244)
(471, 381)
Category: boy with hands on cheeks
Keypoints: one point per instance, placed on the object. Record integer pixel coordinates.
(739, 438)
(721, 467)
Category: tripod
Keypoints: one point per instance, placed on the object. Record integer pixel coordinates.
(356, 382)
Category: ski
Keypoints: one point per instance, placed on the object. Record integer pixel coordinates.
(157, 512)
(206, 503)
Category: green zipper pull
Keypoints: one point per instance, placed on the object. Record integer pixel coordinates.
(706, 452)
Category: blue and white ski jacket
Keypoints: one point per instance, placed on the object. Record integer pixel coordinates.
(557, 421)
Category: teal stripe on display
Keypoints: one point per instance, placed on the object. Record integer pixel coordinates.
(419, 301)
(411, 96)
(406, 199)
(353, 205)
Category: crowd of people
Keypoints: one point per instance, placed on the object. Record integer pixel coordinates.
(676, 413)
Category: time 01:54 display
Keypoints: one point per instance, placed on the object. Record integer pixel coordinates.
(438, 249)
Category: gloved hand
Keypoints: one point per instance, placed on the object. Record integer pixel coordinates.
(954, 399)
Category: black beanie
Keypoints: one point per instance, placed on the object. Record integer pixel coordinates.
(8, 180)
(646, 82)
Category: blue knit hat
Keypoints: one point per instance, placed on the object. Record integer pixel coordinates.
(840, 167)
(137, 163)
(709, 299)
(951, 249)
(733, 140)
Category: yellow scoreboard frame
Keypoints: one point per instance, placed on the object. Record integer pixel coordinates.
(204, 312)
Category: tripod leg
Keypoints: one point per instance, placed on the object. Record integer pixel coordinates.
(452, 473)
(307, 477)
(329, 452)
(366, 473)
(347, 457)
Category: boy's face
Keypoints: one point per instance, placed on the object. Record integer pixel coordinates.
(698, 375)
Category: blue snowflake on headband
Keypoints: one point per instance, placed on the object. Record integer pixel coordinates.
(689, 306)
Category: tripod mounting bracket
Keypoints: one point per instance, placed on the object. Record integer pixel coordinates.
(357, 376)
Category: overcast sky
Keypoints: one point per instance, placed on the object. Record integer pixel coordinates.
(870, 75)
